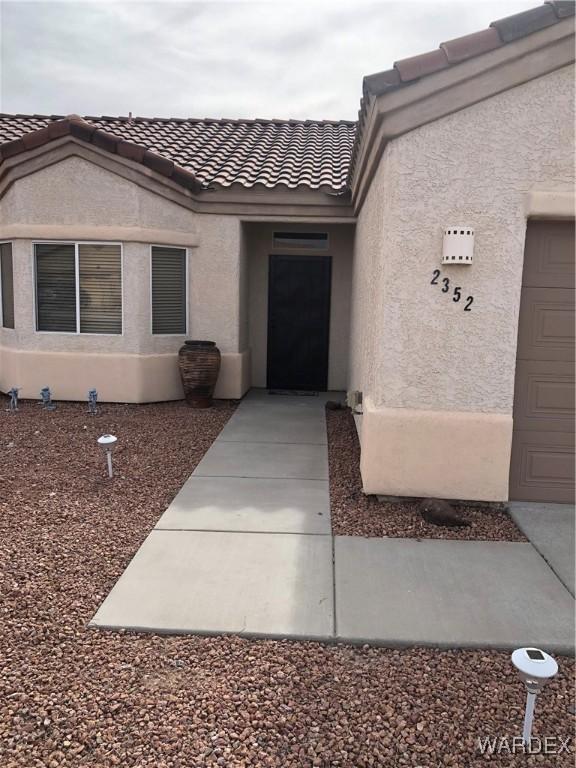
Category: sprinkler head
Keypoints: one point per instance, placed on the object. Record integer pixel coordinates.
(535, 667)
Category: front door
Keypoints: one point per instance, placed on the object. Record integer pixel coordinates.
(298, 322)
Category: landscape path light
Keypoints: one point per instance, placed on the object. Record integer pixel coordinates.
(13, 393)
(46, 397)
(535, 668)
(108, 443)
(92, 401)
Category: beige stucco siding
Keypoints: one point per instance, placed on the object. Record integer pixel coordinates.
(474, 167)
(75, 191)
(78, 200)
(367, 276)
(258, 247)
(412, 347)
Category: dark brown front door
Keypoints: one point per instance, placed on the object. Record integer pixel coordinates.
(542, 465)
(298, 322)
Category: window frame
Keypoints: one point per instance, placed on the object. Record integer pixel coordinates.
(76, 244)
(2, 327)
(186, 291)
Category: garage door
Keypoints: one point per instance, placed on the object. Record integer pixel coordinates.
(542, 465)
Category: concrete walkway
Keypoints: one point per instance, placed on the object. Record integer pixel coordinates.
(246, 548)
(551, 529)
(246, 545)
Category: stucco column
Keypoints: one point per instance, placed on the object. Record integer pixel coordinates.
(217, 289)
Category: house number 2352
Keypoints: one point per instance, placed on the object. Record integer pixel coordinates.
(455, 292)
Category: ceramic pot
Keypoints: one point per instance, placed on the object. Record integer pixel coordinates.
(199, 363)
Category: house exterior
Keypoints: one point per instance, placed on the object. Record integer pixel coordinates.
(312, 253)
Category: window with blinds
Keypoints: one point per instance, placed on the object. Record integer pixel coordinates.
(7, 285)
(79, 287)
(56, 287)
(168, 290)
(100, 282)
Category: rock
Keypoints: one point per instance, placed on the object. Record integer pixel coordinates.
(333, 405)
(440, 512)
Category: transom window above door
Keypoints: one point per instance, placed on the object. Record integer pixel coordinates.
(311, 241)
(78, 287)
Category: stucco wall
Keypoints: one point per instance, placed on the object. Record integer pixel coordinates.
(438, 382)
(412, 346)
(366, 277)
(81, 196)
(75, 191)
(258, 247)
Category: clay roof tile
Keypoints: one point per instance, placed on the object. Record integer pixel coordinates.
(525, 23)
(462, 48)
(419, 66)
(381, 82)
(562, 8)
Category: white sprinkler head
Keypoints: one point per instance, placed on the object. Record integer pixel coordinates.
(535, 667)
(107, 442)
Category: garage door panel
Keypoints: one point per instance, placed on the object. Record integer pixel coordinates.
(549, 260)
(545, 464)
(542, 462)
(546, 330)
(544, 396)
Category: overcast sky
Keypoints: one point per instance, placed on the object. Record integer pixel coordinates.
(216, 59)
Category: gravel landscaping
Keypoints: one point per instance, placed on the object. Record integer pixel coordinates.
(355, 514)
(91, 699)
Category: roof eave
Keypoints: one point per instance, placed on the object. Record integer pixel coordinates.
(236, 199)
(77, 128)
(396, 111)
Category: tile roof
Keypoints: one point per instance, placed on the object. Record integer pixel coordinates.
(309, 153)
(460, 49)
(453, 52)
(75, 126)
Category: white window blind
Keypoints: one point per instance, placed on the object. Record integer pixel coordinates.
(56, 287)
(100, 288)
(168, 290)
(79, 287)
(7, 284)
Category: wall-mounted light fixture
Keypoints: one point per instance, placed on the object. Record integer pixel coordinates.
(458, 245)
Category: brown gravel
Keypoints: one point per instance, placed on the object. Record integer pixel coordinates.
(355, 514)
(85, 698)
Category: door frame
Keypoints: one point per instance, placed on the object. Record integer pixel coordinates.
(327, 258)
